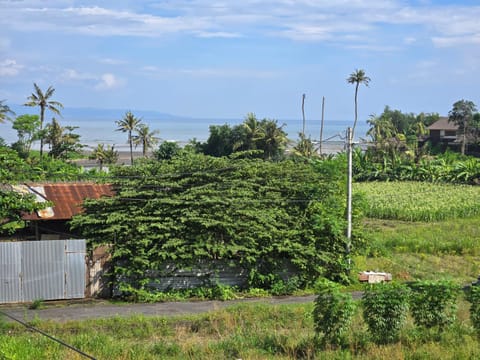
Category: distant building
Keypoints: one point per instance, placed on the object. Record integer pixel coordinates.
(443, 131)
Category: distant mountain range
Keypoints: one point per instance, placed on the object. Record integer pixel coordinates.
(97, 114)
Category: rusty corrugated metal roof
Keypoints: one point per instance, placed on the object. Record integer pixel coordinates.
(67, 198)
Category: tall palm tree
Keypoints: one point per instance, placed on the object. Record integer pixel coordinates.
(145, 138)
(5, 111)
(41, 99)
(253, 132)
(357, 77)
(128, 124)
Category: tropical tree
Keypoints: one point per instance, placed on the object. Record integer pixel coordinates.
(63, 140)
(462, 114)
(274, 140)
(304, 146)
(42, 100)
(5, 111)
(128, 124)
(145, 138)
(167, 150)
(357, 77)
(253, 131)
(222, 141)
(104, 155)
(28, 130)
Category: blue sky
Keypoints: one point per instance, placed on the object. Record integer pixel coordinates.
(225, 58)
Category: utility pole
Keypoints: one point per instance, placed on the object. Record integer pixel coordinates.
(321, 126)
(303, 115)
(349, 189)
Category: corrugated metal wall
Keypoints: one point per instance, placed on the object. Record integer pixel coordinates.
(47, 270)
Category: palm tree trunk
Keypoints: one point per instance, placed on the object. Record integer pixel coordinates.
(303, 115)
(131, 146)
(42, 116)
(356, 114)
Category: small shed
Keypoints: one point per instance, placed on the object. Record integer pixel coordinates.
(66, 198)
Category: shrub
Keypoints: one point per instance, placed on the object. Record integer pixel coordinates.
(473, 296)
(385, 309)
(332, 313)
(434, 304)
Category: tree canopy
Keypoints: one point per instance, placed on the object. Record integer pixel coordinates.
(265, 136)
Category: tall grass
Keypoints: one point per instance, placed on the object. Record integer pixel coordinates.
(249, 331)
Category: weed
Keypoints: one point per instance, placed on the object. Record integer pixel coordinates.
(37, 304)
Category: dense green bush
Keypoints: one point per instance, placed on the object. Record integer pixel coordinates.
(332, 314)
(266, 218)
(434, 303)
(385, 309)
(473, 296)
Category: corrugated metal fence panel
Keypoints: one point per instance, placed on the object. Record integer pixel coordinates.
(75, 267)
(43, 270)
(10, 269)
(206, 274)
(47, 269)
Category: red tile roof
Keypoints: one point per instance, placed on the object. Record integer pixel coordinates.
(67, 198)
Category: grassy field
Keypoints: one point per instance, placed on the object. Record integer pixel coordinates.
(422, 231)
(410, 250)
(239, 332)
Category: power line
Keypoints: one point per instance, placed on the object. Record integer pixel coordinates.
(30, 327)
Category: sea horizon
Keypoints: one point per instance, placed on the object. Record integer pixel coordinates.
(183, 130)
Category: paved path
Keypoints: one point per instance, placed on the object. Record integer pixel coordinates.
(96, 310)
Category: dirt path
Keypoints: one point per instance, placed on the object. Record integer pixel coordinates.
(96, 310)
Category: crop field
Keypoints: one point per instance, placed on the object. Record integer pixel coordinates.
(419, 201)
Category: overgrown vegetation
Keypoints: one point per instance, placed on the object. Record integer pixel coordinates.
(273, 220)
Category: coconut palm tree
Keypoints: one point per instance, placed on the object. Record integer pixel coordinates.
(41, 99)
(5, 111)
(145, 138)
(253, 133)
(357, 77)
(274, 140)
(128, 124)
(104, 155)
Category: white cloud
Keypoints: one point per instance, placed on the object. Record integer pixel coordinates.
(109, 81)
(452, 41)
(9, 67)
(71, 74)
(110, 61)
(209, 72)
(104, 81)
(297, 20)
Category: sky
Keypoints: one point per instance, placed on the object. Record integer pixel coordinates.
(225, 58)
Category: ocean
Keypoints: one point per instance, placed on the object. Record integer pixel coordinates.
(98, 131)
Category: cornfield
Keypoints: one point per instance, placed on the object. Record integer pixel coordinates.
(419, 201)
